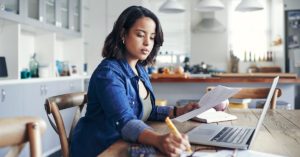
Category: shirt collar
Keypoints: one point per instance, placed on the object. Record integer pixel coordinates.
(129, 70)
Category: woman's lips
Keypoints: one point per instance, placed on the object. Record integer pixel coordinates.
(145, 51)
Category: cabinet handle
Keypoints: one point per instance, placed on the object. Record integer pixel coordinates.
(45, 89)
(42, 89)
(3, 95)
(71, 86)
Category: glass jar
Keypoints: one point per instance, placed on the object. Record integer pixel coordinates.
(34, 66)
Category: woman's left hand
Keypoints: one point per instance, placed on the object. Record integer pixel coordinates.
(187, 108)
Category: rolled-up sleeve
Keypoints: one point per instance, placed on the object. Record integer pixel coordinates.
(133, 129)
(111, 92)
(160, 112)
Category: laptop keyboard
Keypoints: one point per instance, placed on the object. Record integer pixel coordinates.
(231, 135)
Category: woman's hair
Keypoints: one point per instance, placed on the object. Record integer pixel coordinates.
(114, 47)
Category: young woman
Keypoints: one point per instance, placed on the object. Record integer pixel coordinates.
(120, 95)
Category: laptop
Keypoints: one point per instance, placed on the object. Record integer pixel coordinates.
(239, 137)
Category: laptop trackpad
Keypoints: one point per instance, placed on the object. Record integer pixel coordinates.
(204, 132)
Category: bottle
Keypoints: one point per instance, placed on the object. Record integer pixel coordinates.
(34, 66)
(245, 56)
(250, 57)
(186, 64)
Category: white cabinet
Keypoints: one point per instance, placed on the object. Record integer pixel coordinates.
(35, 95)
(9, 105)
(49, 28)
(54, 15)
(28, 99)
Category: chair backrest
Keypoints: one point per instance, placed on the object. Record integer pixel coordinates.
(54, 104)
(256, 93)
(16, 131)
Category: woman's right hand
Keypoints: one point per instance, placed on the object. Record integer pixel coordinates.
(172, 145)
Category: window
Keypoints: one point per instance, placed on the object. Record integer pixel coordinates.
(249, 31)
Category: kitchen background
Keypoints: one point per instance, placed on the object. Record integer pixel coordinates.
(206, 38)
(46, 39)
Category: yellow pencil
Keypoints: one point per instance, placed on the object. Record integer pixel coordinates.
(174, 130)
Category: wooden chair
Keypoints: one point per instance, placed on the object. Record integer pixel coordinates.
(15, 132)
(54, 104)
(256, 93)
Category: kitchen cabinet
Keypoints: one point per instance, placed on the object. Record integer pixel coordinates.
(52, 15)
(34, 105)
(49, 28)
(34, 98)
(9, 105)
(27, 99)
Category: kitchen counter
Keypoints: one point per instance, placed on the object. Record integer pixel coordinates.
(174, 89)
(224, 80)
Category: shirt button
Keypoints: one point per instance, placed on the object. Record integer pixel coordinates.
(117, 123)
(133, 102)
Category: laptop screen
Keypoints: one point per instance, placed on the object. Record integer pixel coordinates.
(265, 109)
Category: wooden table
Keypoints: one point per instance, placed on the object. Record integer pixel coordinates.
(280, 133)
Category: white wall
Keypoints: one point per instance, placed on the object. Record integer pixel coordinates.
(98, 19)
(94, 31)
(210, 47)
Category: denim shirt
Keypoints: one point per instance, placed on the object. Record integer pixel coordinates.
(114, 109)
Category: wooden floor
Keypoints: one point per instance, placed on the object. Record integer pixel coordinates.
(280, 133)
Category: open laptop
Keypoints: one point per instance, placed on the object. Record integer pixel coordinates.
(239, 137)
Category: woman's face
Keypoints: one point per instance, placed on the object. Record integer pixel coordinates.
(139, 40)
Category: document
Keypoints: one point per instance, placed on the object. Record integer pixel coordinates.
(209, 100)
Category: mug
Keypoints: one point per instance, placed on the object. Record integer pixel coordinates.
(25, 73)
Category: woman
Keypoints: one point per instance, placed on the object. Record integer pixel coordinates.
(120, 96)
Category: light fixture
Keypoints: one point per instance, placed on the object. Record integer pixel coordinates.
(209, 24)
(209, 5)
(172, 6)
(249, 5)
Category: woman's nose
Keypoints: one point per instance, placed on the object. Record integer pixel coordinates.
(146, 41)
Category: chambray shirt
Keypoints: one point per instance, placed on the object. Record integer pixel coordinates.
(114, 109)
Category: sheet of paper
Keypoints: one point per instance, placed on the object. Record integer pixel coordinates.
(209, 100)
(227, 153)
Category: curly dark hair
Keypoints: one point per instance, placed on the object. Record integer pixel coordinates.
(113, 46)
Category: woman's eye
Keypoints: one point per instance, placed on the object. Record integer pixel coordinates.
(140, 35)
(152, 38)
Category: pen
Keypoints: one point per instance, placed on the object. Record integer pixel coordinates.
(174, 130)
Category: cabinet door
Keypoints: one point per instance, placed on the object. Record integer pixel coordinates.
(65, 87)
(10, 101)
(11, 6)
(35, 96)
(50, 9)
(75, 15)
(10, 104)
(76, 86)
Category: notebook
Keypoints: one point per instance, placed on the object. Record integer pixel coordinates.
(211, 116)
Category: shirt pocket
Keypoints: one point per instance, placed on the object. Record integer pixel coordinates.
(131, 101)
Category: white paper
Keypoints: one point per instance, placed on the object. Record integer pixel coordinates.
(229, 153)
(209, 100)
